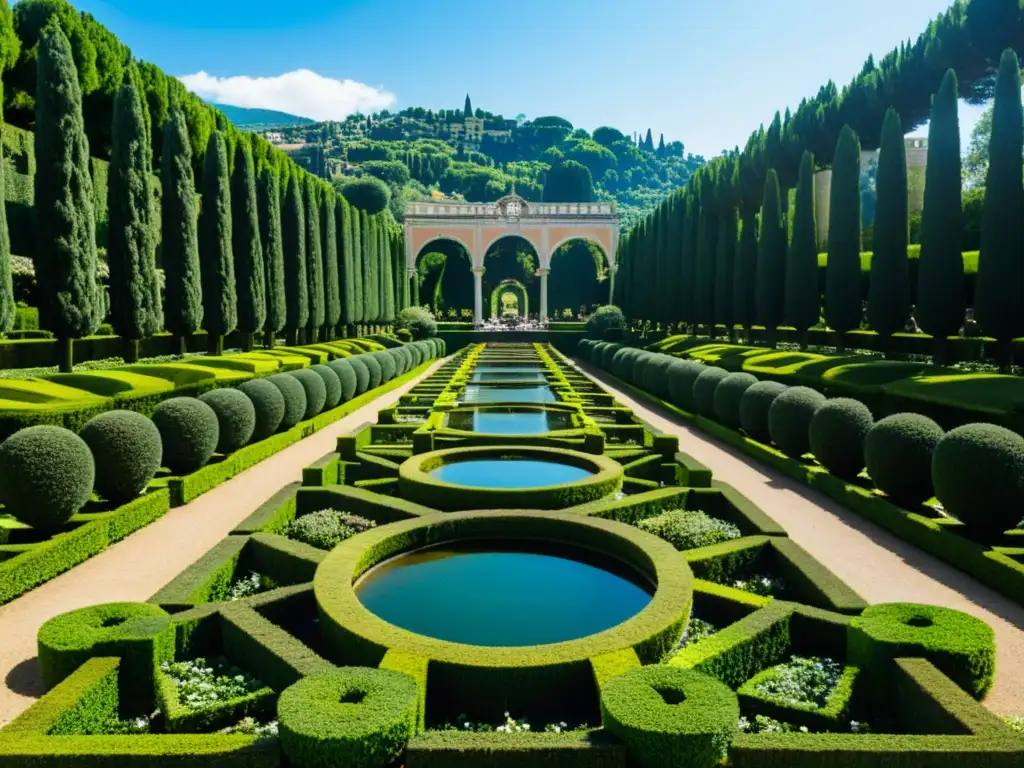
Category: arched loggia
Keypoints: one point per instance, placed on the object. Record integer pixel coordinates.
(578, 278)
(443, 281)
(513, 286)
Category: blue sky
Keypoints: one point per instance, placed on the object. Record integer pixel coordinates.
(705, 72)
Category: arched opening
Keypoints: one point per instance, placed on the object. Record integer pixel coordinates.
(510, 299)
(578, 282)
(444, 279)
(512, 258)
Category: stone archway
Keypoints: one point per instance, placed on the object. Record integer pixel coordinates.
(510, 285)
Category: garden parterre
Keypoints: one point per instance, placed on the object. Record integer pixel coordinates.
(303, 672)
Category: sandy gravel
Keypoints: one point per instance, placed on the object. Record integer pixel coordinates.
(135, 568)
(876, 564)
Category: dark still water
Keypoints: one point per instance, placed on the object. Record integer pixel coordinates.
(509, 473)
(503, 593)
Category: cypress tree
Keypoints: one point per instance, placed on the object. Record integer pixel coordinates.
(999, 291)
(803, 302)
(248, 249)
(371, 310)
(688, 270)
(744, 296)
(728, 225)
(8, 307)
(329, 242)
(71, 300)
(314, 262)
(293, 235)
(358, 224)
(387, 276)
(220, 302)
(269, 205)
(940, 266)
(707, 250)
(180, 244)
(343, 215)
(771, 259)
(842, 276)
(135, 310)
(889, 292)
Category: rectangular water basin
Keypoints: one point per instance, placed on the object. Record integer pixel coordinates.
(508, 422)
(475, 393)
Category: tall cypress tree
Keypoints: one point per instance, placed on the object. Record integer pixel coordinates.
(269, 206)
(940, 266)
(135, 310)
(8, 307)
(842, 276)
(771, 259)
(370, 299)
(803, 302)
(889, 292)
(999, 291)
(329, 243)
(71, 302)
(691, 237)
(728, 226)
(343, 215)
(707, 250)
(293, 233)
(744, 281)
(358, 227)
(314, 262)
(387, 276)
(180, 236)
(220, 302)
(250, 280)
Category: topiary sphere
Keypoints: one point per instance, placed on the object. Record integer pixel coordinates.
(373, 366)
(789, 419)
(438, 349)
(407, 359)
(728, 395)
(898, 453)
(837, 433)
(46, 475)
(331, 383)
(294, 398)
(754, 406)
(127, 451)
(616, 360)
(346, 374)
(236, 416)
(398, 359)
(682, 375)
(640, 363)
(316, 391)
(626, 363)
(190, 431)
(704, 387)
(362, 372)
(978, 474)
(655, 375)
(387, 366)
(268, 403)
(416, 352)
(607, 354)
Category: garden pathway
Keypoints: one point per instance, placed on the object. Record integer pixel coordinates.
(135, 568)
(879, 566)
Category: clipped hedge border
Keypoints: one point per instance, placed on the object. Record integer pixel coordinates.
(452, 749)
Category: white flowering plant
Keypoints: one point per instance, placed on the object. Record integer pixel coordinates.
(201, 683)
(510, 725)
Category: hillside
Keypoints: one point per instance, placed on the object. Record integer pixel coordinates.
(249, 119)
(478, 156)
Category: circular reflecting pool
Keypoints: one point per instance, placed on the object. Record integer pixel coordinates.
(504, 593)
(509, 473)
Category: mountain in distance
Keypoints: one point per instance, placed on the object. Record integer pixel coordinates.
(246, 118)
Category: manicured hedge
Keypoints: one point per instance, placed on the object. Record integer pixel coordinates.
(836, 436)
(189, 431)
(898, 452)
(127, 450)
(268, 404)
(789, 419)
(236, 418)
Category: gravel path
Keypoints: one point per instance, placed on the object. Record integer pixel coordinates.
(876, 564)
(135, 568)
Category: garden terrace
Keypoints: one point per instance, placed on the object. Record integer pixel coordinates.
(278, 603)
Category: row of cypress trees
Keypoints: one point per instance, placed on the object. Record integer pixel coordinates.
(686, 263)
(259, 250)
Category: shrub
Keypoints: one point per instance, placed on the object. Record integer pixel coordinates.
(373, 366)
(607, 355)
(46, 475)
(367, 193)
(404, 334)
(836, 436)
(704, 389)
(315, 389)
(268, 403)
(681, 377)
(417, 354)
(402, 362)
(789, 419)
(670, 716)
(688, 530)
(347, 380)
(640, 362)
(294, 398)
(362, 372)
(978, 474)
(898, 453)
(728, 396)
(190, 432)
(654, 375)
(416, 321)
(607, 322)
(327, 528)
(754, 407)
(332, 384)
(127, 451)
(387, 366)
(236, 417)
(353, 716)
(623, 364)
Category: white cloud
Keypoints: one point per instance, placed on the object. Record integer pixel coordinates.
(302, 92)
